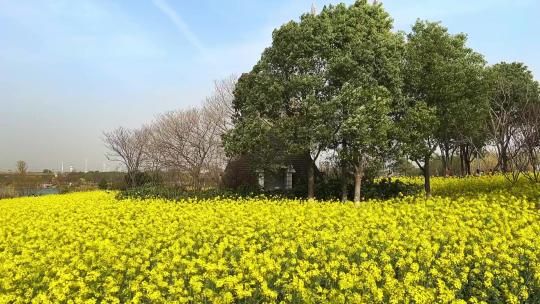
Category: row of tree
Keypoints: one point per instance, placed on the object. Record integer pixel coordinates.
(185, 142)
(344, 81)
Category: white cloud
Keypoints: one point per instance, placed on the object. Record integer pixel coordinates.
(179, 23)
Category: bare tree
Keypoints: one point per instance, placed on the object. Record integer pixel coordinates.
(188, 141)
(128, 146)
(528, 140)
(503, 125)
(511, 88)
(22, 167)
(219, 106)
(153, 156)
(183, 141)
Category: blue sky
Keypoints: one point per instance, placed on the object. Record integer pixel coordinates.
(70, 69)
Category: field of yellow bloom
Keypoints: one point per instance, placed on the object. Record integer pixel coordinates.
(92, 248)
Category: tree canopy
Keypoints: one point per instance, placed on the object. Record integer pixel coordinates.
(318, 84)
(443, 87)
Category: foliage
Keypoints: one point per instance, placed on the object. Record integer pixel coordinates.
(103, 184)
(446, 95)
(314, 88)
(385, 188)
(89, 247)
(416, 130)
(179, 194)
(365, 131)
(138, 179)
(403, 167)
(328, 188)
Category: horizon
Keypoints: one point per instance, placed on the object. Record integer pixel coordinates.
(72, 71)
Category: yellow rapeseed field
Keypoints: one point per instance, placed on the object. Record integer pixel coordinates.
(92, 248)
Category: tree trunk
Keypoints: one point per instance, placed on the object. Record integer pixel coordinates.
(504, 160)
(468, 166)
(358, 174)
(462, 160)
(133, 179)
(344, 182)
(196, 179)
(427, 176)
(446, 159)
(195, 183)
(311, 181)
(468, 159)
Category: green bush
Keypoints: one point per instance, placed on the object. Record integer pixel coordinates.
(329, 189)
(176, 193)
(387, 188)
(103, 185)
(141, 179)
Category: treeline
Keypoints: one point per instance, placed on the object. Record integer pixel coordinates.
(343, 83)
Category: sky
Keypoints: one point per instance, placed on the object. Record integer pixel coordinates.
(71, 69)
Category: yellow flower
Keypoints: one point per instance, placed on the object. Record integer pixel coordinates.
(470, 243)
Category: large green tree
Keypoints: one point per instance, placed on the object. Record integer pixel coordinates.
(365, 79)
(443, 86)
(321, 85)
(417, 136)
(467, 111)
(280, 104)
(366, 129)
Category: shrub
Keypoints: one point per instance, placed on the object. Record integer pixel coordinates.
(177, 194)
(330, 189)
(103, 185)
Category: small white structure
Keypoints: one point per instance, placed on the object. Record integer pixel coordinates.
(260, 176)
(288, 177)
